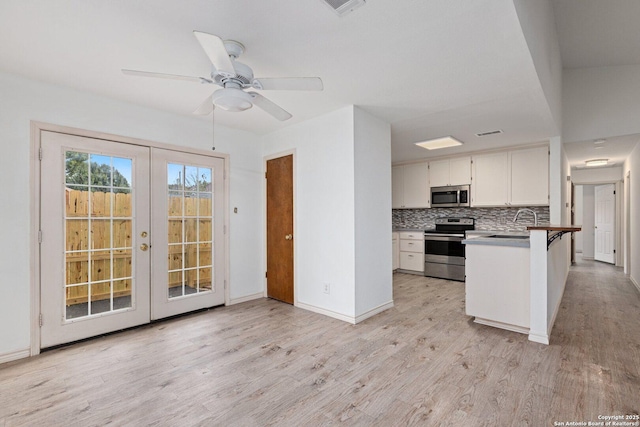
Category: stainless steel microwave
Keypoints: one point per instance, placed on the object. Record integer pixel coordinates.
(450, 197)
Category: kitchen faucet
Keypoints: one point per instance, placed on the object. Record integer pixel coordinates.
(535, 215)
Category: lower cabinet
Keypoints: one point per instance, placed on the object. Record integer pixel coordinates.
(411, 261)
(396, 251)
(412, 251)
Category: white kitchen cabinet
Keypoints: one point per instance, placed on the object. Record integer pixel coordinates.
(455, 171)
(412, 251)
(497, 286)
(410, 186)
(529, 171)
(411, 262)
(490, 185)
(395, 241)
(511, 178)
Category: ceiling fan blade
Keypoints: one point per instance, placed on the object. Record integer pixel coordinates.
(205, 108)
(288, 83)
(268, 106)
(166, 76)
(214, 48)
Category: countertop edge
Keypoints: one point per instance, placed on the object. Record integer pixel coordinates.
(555, 228)
(488, 241)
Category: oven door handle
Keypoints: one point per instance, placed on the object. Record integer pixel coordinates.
(443, 237)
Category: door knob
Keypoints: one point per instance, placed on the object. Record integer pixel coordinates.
(289, 237)
(144, 234)
(144, 247)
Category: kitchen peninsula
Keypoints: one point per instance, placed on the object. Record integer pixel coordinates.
(516, 281)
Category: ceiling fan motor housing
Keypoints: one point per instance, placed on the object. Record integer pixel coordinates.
(244, 75)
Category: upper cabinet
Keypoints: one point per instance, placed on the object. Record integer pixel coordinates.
(512, 178)
(410, 186)
(490, 176)
(455, 171)
(529, 171)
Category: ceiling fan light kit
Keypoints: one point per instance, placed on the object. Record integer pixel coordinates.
(234, 77)
(231, 99)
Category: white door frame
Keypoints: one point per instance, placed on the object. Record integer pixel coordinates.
(35, 175)
(627, 222)
(613, 230)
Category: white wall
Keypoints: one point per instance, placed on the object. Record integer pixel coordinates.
(556, 180)
(324, 208)
(539, 29)
(588, 221)
(342, 210)
(633, 164)
(24, 100)
(374, 281)
(579, 208)
(600, 102)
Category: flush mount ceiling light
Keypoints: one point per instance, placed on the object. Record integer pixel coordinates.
(599, 141)
(444, 142)
(596, 162)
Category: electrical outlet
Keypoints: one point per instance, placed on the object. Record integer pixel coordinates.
(327, 288)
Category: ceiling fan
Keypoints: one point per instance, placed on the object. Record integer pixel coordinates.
(234, 77)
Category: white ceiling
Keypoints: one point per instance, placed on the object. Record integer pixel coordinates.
(597, 33)
(429, 67)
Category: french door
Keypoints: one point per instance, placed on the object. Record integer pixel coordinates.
(129, 234)
(188, 249)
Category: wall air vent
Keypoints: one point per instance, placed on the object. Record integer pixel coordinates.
(342, 7)
(492, 132)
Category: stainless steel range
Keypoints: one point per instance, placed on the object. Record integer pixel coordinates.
(443, 248)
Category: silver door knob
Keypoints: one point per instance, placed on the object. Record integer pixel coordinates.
(289, 237)
(144, 247)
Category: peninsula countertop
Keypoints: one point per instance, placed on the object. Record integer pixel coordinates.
(519, 239)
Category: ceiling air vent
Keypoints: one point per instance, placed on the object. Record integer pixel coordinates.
(342, 7)
(492, 132)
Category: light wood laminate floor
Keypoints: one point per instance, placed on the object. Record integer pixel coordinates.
(424, 362)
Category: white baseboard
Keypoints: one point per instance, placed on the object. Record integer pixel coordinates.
(329, 313)
(349, 319)
(635, 282)
(246, 298)
(542, 339)
(374, 311)
(506, 326)
(555, 311)
(587, 258)
(15, 355)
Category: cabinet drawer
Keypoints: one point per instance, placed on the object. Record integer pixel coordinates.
(411, 235)
(411, 261)
(412, 246)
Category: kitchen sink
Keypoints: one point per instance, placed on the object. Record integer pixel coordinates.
(503, 236)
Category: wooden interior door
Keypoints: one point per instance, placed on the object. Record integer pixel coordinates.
(280, 236)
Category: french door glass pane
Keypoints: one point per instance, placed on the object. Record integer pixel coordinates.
(98, 227)
(190, 233)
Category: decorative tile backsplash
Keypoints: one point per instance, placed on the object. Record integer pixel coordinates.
(486, 218)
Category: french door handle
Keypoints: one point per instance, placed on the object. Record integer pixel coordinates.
(289, 237)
